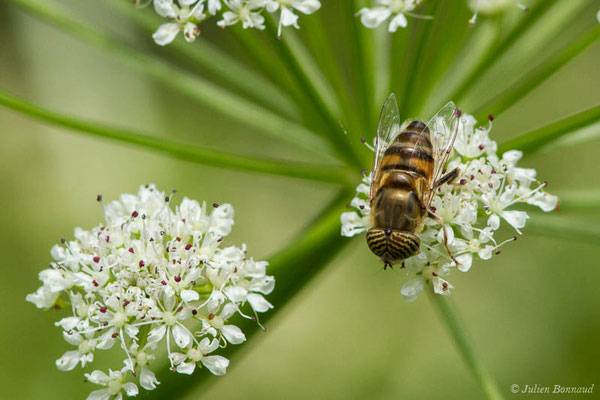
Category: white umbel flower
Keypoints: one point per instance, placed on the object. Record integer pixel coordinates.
(155, 276)
(248, 12)
(287, 17)
(393, 10)
(186, 16)
(485, 196)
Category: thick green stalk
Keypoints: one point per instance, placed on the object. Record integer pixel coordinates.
(464, 345)
(293, 267)
(210, 95)
(525, 85)
(533, 141)
(183, 151)
(217, 62)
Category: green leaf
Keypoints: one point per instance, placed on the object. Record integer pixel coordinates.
(293, 267)
(533, 141)
(205, 92)
(323, 173)
(464, 344)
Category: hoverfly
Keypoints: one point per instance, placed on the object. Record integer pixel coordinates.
(407, 170)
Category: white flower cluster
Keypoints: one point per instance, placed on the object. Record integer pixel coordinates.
(393, 10)
(151, 277)
(473, 208)
(188, 14)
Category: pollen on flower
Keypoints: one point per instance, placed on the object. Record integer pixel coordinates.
(486, 194)
(160, 274)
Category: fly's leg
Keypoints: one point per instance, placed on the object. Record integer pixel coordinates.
(441, 222)
(448, 178)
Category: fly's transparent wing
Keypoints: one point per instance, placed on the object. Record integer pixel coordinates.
(389, 126)
(443, 127)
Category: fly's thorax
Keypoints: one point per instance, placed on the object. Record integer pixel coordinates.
(393, 245)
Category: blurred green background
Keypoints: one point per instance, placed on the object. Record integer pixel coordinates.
(533, 312)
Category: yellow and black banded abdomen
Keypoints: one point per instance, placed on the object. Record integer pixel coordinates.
(411, 151)
(393, 245)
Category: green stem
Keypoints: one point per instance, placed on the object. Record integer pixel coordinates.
(580, 199)
(533, 141)
(309, 78)
(293, 267)
(321, 42)
(361, 67)
(210, 95)
(565, 228)
(323, 173)
(217, 62)
(423, 41)
(496, 50)
(464, 345)
(522, 87)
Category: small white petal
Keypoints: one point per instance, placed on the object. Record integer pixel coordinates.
(233, 334)
(156, 334)
(465, 260)
(259, 303)
(306, 6)
(288, 18)
(515, 218)
(97, 377)
(147, 379)
(373, 17)
(165, 8)
(398, 21)
(165, 33)
(411, 288)
(189, 295)
(216, 364)
(131, 389)
(182, 336)
(68, 361)
(494, 221)
(102, 394)
(186, 368)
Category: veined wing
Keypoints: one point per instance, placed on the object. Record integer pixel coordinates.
(443, 127)
(389, 126)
